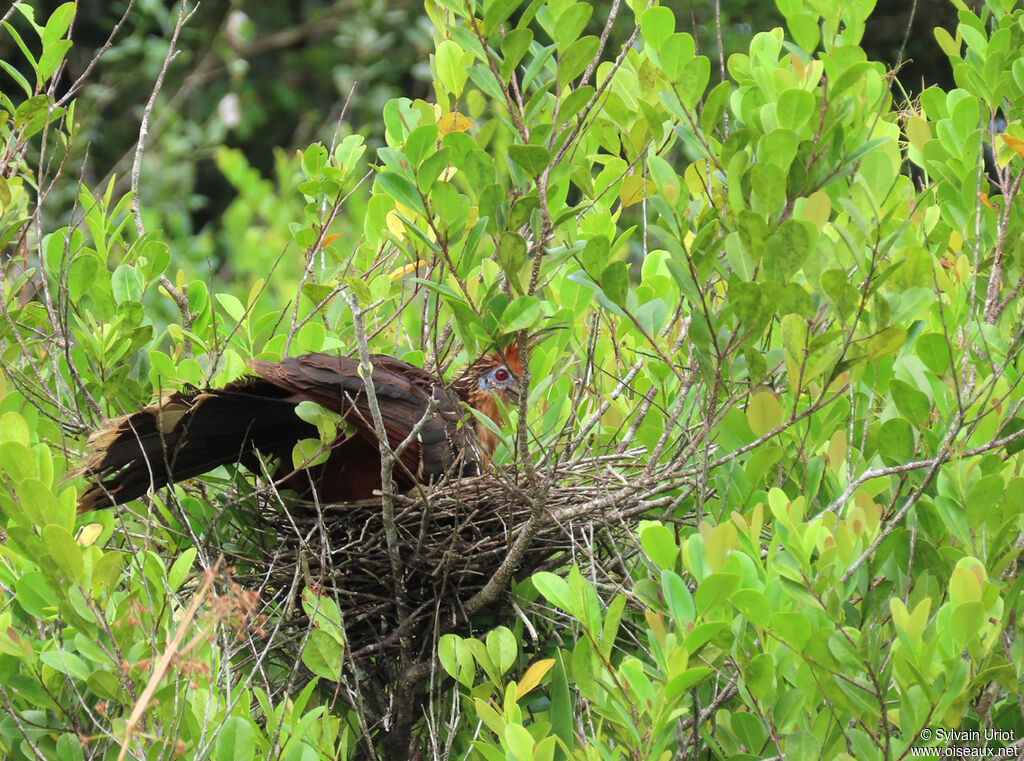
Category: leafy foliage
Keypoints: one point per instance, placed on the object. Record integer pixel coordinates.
(798, 364)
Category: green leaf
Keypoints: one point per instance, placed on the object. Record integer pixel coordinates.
(421, 142)
(714, 106)
(983, 497)
(885, 342)
(399, 119)
(429, 171)
(65, 551)
(33, 595)
(946, 42)
(452, 66)
(324, 613)
(16, 36)
(660, 545)
(633, 670)
(716, 589)
(657, 25)
(69, 747)
(562, 723)
(235, 739)
(748, 728)
(693, 80)
(795, 108)
(457, 8)
(456, 659)
(309, 452)
(314, 159)
(231, 305)
(513, 48)
(682, 683)
(511, 255)
(896, 440)
(570, 24)
(521, 211)
(323, 655)
(547, 749)
(30, 109)
(1013, 425)
(483, 660)
(400, 189)
(767, 185)
(804, 26)
(575, 100)
(521, 314)
(52, 57)
(759, 676)
(18, 77)
(532, 158)
(576, 58)
(852, 75)
(934, 350)
(911, 402)
(754, 606)
(845, 298)
(540, 59)
(502, 648)
(13, 428)
(36, 500)
(676, 52)
(802, 746)
(764, 413)
(915, 268)
(58, 23)
(594, 256)
(496, 13)
(615, 282)
(749, 302)
(491, 719)
(66, 662)
(610, 626)
(450, 206)
(554, 588)
(180, 568)
(519, 742)
(651, 315)
(348, 152)
(792, 628)
(677, 595)
(795, 334)
(357, 286)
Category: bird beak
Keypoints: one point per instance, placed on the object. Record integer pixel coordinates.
(513, 393)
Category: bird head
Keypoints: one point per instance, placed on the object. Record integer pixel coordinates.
(499, 379)
(498, 374)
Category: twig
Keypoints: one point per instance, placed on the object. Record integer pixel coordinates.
(180, 297)
(171, 651)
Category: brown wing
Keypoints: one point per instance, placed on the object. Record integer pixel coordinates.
(187, 434)
(404, 393)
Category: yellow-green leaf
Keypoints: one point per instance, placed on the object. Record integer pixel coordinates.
(533, 676)
(764, 413)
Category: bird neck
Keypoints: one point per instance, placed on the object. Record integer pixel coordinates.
(486, 404)
(467, 388)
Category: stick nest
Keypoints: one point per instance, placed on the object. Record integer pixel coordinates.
(451, 540)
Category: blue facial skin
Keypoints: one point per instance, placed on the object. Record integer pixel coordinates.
(501, 380)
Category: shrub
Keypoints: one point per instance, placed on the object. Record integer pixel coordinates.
(784, 387)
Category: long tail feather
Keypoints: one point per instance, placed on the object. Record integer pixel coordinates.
(187, 434)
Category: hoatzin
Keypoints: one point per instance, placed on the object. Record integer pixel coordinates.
(189, 433)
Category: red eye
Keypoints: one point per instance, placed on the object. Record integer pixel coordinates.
(501, 374)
